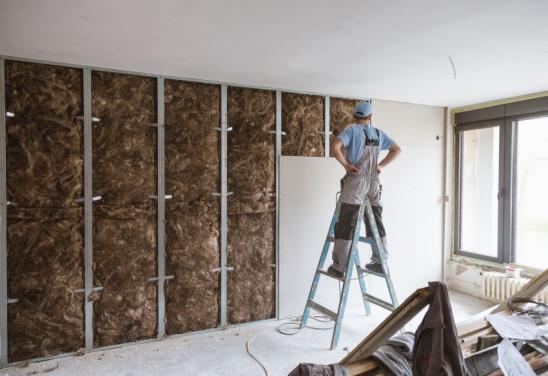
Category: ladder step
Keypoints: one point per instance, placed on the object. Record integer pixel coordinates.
(329, 275)
(367, 271)
(363, 239)
(379, 302)
(327, 312)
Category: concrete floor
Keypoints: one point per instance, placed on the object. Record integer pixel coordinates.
(223, 352)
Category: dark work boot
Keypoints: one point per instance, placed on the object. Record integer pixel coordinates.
(335, 273)
(374, 267)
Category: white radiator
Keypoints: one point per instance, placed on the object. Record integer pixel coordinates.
(498, 287)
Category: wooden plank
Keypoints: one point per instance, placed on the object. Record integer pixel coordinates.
(364, 367)
(382, 333)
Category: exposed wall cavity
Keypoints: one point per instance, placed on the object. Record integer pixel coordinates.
(303, 122)
(341, 114)
(192, 112)
(124, 175)
(45, 181)
(251, 209)
(45, 223)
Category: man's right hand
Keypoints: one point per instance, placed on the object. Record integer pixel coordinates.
(351, 169)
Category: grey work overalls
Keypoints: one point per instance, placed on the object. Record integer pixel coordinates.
(355, 188)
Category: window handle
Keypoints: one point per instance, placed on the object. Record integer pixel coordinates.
(500, 194)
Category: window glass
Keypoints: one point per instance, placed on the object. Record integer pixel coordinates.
(532, 193)
(480, 182)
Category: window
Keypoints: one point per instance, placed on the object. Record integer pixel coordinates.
(532, 192)
(502, 183)
(480, 181)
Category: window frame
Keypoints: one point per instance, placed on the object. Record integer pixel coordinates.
(458, 189)
(506, 117)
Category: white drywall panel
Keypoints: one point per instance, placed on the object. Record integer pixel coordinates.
(307, 200)
(412, 195)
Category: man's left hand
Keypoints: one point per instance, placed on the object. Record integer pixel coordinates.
(379, 168)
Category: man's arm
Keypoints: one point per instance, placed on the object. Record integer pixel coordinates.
(336, 148)
(393, 152)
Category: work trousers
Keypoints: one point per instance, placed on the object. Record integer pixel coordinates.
(344, 230)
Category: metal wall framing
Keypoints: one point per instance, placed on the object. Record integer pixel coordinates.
(88, 211)
(3, 226)
(224, 205)
(161, 198)
(278, 156)
(89, 288)
(327, 121)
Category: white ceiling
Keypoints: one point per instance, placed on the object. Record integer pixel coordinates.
(397, 50)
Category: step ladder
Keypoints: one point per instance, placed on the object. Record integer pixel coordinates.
(353, 260)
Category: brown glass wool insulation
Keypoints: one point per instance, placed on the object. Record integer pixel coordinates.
(341, 113)
(251, 251)
(125, 220)
(124, 140)
(251, 150)
(124, 252)
(45, 267)
(193, 254)
(44, 139)
(303, 123)
(192, 112)
(45, 227)
(192, 173)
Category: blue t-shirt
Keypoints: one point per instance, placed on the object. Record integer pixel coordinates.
(353, 140)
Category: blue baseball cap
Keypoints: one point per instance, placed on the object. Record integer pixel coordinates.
(363, 110)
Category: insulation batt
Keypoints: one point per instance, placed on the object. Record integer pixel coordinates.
(45, 227)
(45, 267)
(192, 234)
(251, 150)
(125, 175)
(251, 286)
(124, 258)
(303, 122)
(341, 114)
(124, 140)
(192, 112)
(251, 209)
(44, 139)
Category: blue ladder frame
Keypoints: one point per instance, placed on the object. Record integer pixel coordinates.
(353, 261)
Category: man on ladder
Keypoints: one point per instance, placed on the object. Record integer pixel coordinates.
(362, 144)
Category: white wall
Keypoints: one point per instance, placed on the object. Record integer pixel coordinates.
(413, 209)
